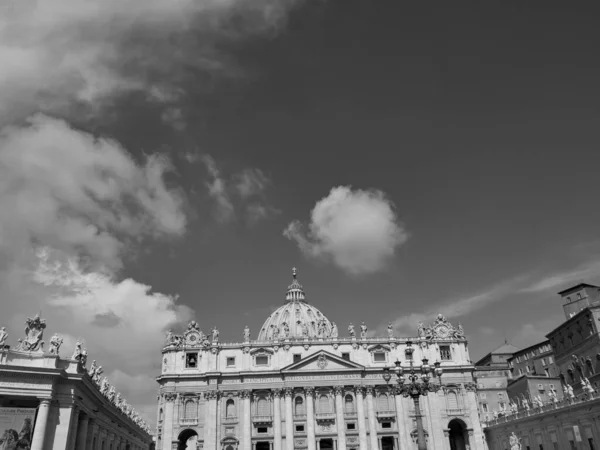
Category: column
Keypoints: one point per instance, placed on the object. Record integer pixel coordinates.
(82, 429)
(360, 413)
(289, 419)
(246, 421)
(401, 420)
(339, 417)
(37, 442)
(168, 425)
(210, 439)
(73, 426)
(309, 393)
(91, 431)
(277, 419)
(372, 419)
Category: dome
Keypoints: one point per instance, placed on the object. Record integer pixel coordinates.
(296, 319)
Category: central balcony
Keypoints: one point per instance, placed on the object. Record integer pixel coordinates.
(325, 417)
(188, 421)
(262, 420)
(381, 415)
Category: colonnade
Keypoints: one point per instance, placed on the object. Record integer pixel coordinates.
(366, 421)
(80, 432)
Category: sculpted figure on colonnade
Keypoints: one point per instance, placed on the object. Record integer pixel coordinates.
(351, 331)
(334, 330)
(3, 337)
(390, 330)
(55, 344)
(363, 330)
(34, 331)
(246, 334)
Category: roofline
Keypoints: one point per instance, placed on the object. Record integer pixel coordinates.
(577, 286)
(574, 318)
(515, 354)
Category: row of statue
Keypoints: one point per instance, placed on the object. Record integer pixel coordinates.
(34, 331)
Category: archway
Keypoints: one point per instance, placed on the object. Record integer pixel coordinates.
(188, 440)
(458, 435)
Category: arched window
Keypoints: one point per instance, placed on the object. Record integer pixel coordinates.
(299, 407)
(452, 400)
(262, 407)
(190, 410)
(383, 403)
(230, 408)
(323, 404)
(160, 415)
(349, 404)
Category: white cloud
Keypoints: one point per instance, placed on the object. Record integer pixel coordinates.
(57, 52)
(251, 182)
(564, 279)
(356, 229)
(217, 189)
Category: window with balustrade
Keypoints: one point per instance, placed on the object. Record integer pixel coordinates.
(189, 410)
(349, 407)
(452, 401)
(383, 403)
(324, 406)
(299, 408)
(262, 407)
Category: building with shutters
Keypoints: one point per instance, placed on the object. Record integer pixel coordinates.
(299, 384)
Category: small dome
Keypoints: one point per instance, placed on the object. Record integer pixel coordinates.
(296, 319)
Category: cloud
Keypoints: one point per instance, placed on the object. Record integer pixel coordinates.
(75, 192)
(561, 280)
(246, 189)
(58, 53)
(357, 230)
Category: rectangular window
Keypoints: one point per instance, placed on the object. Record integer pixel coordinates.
(379, 357)
(230, 361)
(300, 428)
(445, 354)
(350, 426)
(262, 360)
(346, 356)
(484, 407)
(386, 424)
(262, 430)
(591, 443)
(297, 357)
(191, 360)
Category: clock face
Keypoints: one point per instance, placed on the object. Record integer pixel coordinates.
(443, 331)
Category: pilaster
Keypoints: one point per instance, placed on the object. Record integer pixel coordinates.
(309, 393)
(360, 415)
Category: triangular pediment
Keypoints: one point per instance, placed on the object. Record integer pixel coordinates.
(322, 361)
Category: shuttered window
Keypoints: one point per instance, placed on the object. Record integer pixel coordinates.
(262, 407)
(383, 403)
(323, 404)
(299, 406)
(349, 404)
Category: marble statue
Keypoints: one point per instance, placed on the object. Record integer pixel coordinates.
(286, 330)
(246, 334)
(118, 399)
(553, 396)
(351, 331)
(587, 387)
(495, 414)
(334, 330)
(322, 328)
(514, 441)
(3, 337)
(568, 390)
(363, 330)
(459, 333)
(513, 407)
(104, 386)
(93, 368)
(83, 357)
(539, 402)
(421, 330)
(55, 343)
(304, 330)
(524, 402)
(111, 393)
(215, 335)
(170, 337)
(34, 331)
(77, 352)
(275, 333)
(390, 330)
(97, 374)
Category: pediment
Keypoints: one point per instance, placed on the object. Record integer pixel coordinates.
(322, 362)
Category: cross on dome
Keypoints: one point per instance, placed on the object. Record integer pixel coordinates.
(295, 291)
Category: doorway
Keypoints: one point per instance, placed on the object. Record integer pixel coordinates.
(387, 443)
(263, 445)
(326, 444)
(458, 436)
(188, 440)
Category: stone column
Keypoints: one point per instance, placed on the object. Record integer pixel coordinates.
(339, 417)
(372, 419)
(73, 425)
(310, 417)
(39, 434)
(82, 430)
(401, 420)
(277, 419)
(360, 413)
(168, 424)
(210, 434)
(246, 421)
(289, 419)
(91, 431)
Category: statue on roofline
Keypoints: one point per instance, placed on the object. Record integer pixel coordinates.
(55, 343)
(34, 331)
(334, 330)
(246, 334)
(363, 330)
(3, 337)
(351, 331)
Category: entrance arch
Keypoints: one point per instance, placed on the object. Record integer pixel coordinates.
(458, 435)
(188, 439)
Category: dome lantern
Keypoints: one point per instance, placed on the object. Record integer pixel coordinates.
(295, 291)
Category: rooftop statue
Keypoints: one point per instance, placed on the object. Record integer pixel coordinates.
(363, 330)
(93, 368)
(390, 330)
(97, 374)
(3, 337)
(334, 330)
(34, 331)
(286, 330)
(351, 331)
(275, 332)
(322, 328)
(215, 335)
(514, 441)
(77, 352)
(246, 334)
(55, 344)
(104, 386)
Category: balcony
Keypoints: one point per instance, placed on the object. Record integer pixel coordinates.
(262, 420)
(325, 417)
(300, 417)
(230, 419)
(386, 415)
(186, 421)
(455, 412)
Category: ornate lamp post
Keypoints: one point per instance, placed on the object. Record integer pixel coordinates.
(415, 386)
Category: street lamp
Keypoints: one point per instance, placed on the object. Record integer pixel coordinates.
(415, 386)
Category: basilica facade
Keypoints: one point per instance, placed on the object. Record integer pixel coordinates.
(301, 385)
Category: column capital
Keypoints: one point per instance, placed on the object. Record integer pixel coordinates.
(211, 395)
(276, 392)
(245, 393)
(338, 390)
(359, 390)
(170, 396)
(369, 390)
(289, 391)
(45, 401)
(309, 391)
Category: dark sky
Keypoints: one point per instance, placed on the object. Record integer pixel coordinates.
(480, 122)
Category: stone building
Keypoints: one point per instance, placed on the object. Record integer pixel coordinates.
(53, 403)
(536, 359)
(300, 385)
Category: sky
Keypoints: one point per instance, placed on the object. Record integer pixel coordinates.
(168, 161)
